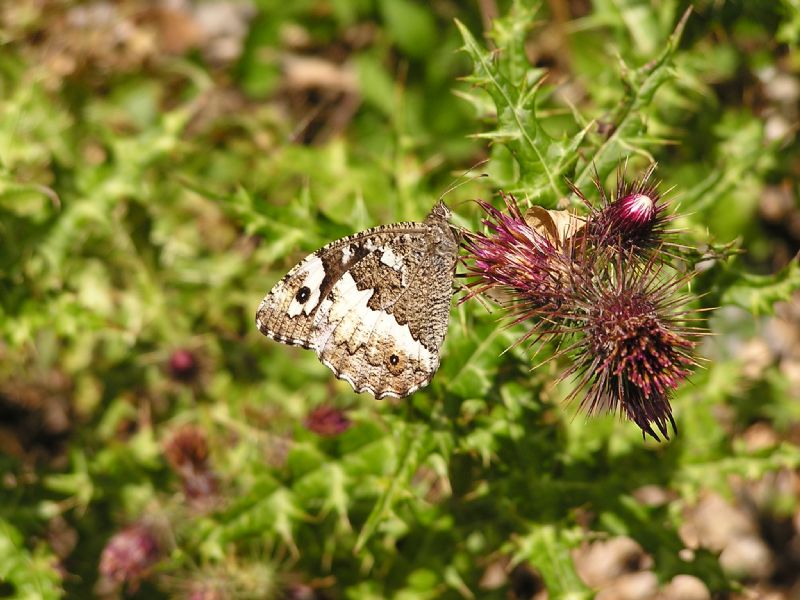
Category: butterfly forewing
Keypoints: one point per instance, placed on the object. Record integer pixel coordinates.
(374, 306)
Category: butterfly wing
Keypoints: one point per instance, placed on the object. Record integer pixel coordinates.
(385, 338)
(288, 311)
(374, 306)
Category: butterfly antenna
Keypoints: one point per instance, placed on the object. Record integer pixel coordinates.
(463, 179)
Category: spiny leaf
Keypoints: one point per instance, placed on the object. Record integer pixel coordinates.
(277, 513)
(513, 85)
(29, 574)
(641, 86)
(414, 443)
(547, 548)
(759, 293)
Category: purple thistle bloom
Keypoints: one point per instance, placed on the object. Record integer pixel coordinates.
(633, 218)
(513, 255)
(327, 421)
(183, 365)
(628, 347)
(614, 315)
(129, 555)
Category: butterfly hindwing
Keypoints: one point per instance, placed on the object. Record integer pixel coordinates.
(374, 306)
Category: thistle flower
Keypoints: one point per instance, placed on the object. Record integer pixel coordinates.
(187, 453)
(207, 591)
(513, 256)
(129, 556)
(327, 421)
(628, 347)
(614, 315)
(634, 218)
(183, 365)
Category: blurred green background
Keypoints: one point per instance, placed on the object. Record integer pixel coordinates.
(162, 164)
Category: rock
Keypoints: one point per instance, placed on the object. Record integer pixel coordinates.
(599, 563)
(759, 436)
(686, 587)
(747, 556)
(653, 495)
(713, 523)
(494, 576)
(632, 586)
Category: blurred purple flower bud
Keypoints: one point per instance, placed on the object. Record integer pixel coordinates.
(183, 365)
(327, 421)
(129, 555)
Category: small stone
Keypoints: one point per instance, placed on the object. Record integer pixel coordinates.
(686, 587)
(632, 586)
(600, 563)
(775, 203)
(755, 356)
(653, 495)
(686, 554)
(783, 87)
(790, 367)
(494, 576)
(747, 556)
(759, 436)
(713, 523)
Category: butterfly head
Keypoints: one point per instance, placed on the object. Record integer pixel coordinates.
(439, 212)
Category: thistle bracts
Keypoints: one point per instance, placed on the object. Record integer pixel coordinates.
(633, 218)
(512, 255)
(627, 338)
(603, 290)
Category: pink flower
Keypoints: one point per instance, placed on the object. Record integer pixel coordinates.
(183, 365)
(633, 218)
(629, 347)
(605, 294)
(327, 421)
(187, 453)
(129, 555)
(512, 256)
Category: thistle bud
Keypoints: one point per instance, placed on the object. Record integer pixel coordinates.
(634, 212)
(183, 365)
(634, 218)
(129, 556)
(187, 453)
(327, 421)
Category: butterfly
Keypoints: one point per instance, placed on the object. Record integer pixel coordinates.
(374, 306)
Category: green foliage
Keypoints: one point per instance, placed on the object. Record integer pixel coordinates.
(31, 574)
(513, 86)
(147, 209)
(759, 293)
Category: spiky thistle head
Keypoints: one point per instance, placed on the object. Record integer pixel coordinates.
(512, 256)
(633, 218)
(130, 555)
(603, 291)
(327, 420)
(630, 343)
(187, 452)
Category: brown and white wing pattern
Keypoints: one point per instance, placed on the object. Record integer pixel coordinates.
(374, 306)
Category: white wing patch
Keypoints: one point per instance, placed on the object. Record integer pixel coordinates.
(391, 260)
(348, 328)
(315, 273)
